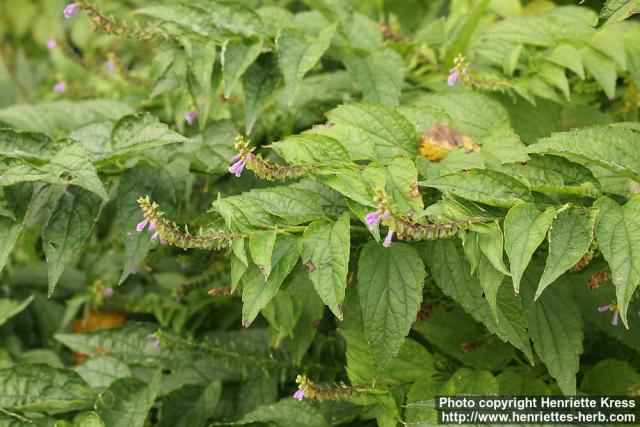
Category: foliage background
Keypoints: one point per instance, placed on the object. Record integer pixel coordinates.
(100, 326)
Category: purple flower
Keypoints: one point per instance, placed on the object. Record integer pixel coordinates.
(236, 158)
(603, 308)
(107, 292)
(110, 65)
(154, 237)
(71, 10)
(60, 86)
(615, 319)
(155, 342)
(152, 225)
(191, 116)
(372, 218)
(237, 167)
(142, 224)
(52, 44)
(299, 395)
(454, 75)
(387, 240)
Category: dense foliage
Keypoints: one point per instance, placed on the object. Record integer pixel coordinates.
(210, 207)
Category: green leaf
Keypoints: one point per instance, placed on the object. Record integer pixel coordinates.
(401, 185)
(602, 68)
(18, 197)
(298, 53)
(325, 253)
(10, 307)
(524, 230)
(491, 243)
(484, 186)
(257, 293)
(451, 273)
(555, 328)
(190, 405)
(514, 383)
(503, 143)
(390, 284)
(237, 56)
(599, 379)
(618, 235)
(143, 179)
(141, 132)
(618, 10)
(490, 279)
(442, 330)
(29, 145)
(101, 371)
(62, 116)
(464, 31)
(68, 227)
(473, 382)
(379, 73)
(421, 407)
(286, 412)
(126, 402)
(202, 58)
(390, 132)
(42, 388)
(258, 85)
(311, 148)
(569, 239)
(569, 57)
(69, 166)
(261, 248)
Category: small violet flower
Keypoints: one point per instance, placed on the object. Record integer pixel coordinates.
(616, 315)
(299, 395)
(191, 116)
(155, 342)
(387, 240)
(154, 237)
(60, 86)
(111, 66)
(372, 218)
(142, 224)
(152, 225)
(52, 44)
(107, 292)
(454, 75)
(239, 165)
(71, 10)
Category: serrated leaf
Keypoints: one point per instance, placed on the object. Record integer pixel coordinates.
(69, 226)
(555, 328)
(390, 284)
(451, 273)
(126, 402)
(569, 57)
(602, 68)
(144, 179)
(18, 197)
(491, 243)
(421, 400)
(484, 186)
(473, 382)
(325, 253)
(609, 147)
(298, 53)
(30, 145)
(391, 133)
(618, 10)
(202, 58)
(379, 73)
(69, 166)
(503, 143)
(261, 249)
(141, 132)
(10, 307)
(490, 279)
(62, 116)
(237, 56)
(618, 235)
(311, 148)
(513, 383)
(524, 230)
(570, 236)
(190, 405)
(101, 371)
(259, 83)
(42, 388)
(256, 293)
(288, 412)
(401, 185)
